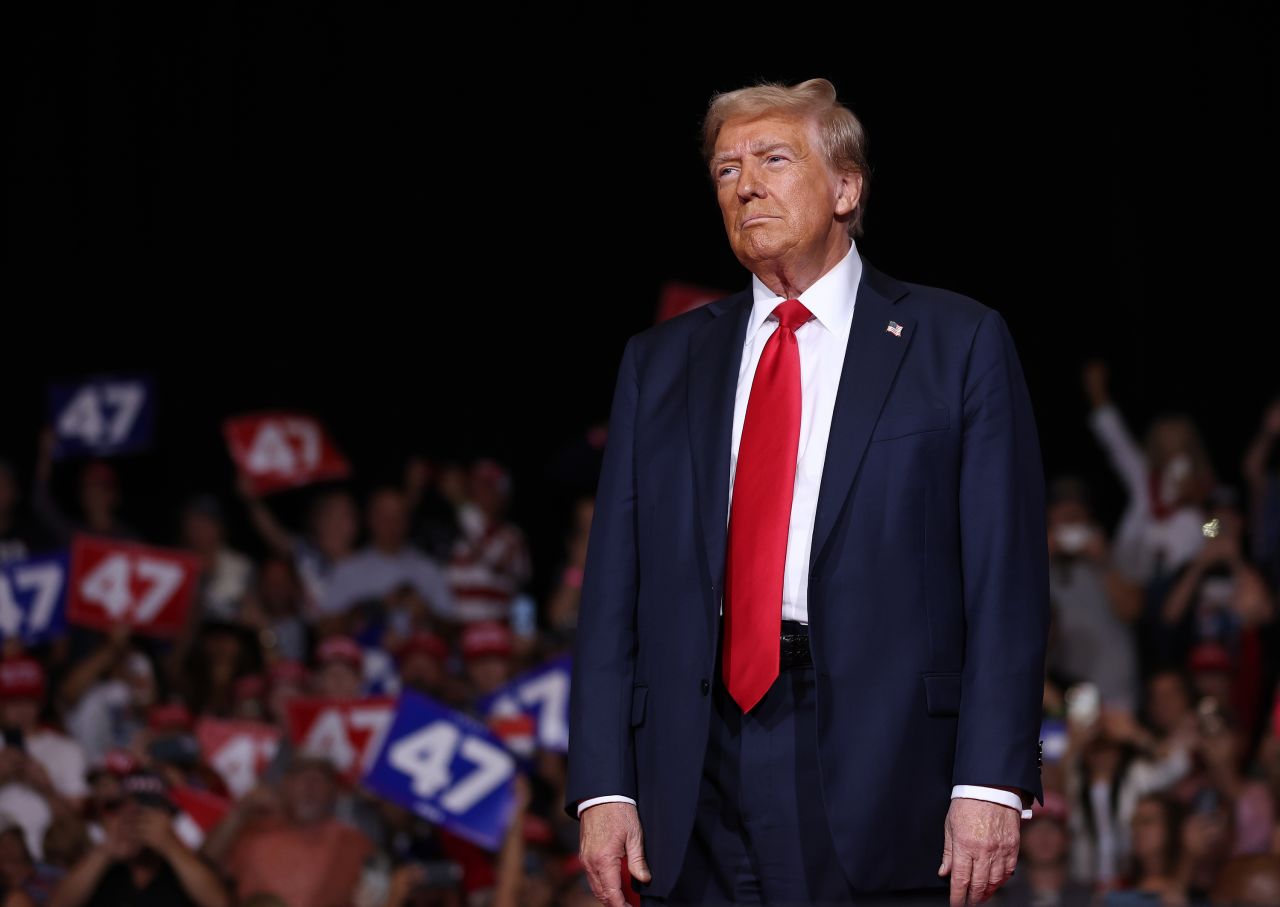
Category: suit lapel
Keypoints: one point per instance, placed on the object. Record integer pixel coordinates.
(715, 356)
(872, 357)
(871, 360)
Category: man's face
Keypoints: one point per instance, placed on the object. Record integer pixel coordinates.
(777, 195)
(388, 519)
(309, 794)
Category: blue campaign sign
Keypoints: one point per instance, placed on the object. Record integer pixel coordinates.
(448, 768)
(102, 415)
(33, 598)
(543, 693)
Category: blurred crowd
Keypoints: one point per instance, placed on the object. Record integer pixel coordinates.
(419, 585)
(1161, 760)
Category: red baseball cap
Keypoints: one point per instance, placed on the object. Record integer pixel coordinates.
(287, 671)
(486, 637)
(21, 678)
(1210, 656)
(169, 716)
(340, 648)
(425, 642)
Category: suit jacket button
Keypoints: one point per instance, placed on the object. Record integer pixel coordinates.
(706, 686)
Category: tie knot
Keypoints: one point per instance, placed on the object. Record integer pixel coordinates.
(791, 314)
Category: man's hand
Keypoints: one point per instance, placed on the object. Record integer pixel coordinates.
(610, 832)
(980, 848)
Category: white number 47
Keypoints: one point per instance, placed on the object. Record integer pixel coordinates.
(425, 756)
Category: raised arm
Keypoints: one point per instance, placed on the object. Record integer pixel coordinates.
(1109, 427)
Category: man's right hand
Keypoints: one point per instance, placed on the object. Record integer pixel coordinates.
(611, 832)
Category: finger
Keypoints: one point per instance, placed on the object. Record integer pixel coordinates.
(981, 874)
(946, 851)
(605, 873)
(961, 869)
(636, 863)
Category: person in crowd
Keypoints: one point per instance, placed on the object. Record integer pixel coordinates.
(18, 538)
(1152, 864)
(141, 862)
(332, 526)
(562, 605)
(1261, 470)
(1111, 763)
(100, 498)
(104, 698)
(1042, 876)
(21, 884)
(1094, 604)
(1221, 598)
(274, 607)
(42, 770)
(220, 654)
(1170, 706)
(226, 575)
(386, 562)
(339, 668)
(435, 490)
(268, 837)
(422, 663)
(487, 648)
(490, 562)
(1166, 480)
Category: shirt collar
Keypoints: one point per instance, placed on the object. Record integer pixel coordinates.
(830, 299)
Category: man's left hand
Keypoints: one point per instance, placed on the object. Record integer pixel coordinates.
(980, 848)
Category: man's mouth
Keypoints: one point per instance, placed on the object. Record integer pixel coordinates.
(758, 217)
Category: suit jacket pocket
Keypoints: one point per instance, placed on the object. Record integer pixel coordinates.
(942, 692)
(639, 696)
(895, 425)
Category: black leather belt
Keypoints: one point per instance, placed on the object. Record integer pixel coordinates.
(795, 646)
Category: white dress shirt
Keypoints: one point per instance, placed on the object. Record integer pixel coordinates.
(821, 341)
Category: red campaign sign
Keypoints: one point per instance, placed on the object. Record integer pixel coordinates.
(677, 298)
(348, 732)
(238, 751)
(280, 450)
(199, 812)
(114, 581)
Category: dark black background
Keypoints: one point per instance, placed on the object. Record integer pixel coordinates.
(438, 233)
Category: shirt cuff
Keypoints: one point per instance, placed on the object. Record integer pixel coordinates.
(611, 798)
(994, 794)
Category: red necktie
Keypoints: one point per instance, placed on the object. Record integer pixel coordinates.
(760, 516)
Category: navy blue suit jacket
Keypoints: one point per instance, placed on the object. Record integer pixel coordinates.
(928, 580)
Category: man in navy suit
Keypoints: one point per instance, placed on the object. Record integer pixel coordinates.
(888, 738)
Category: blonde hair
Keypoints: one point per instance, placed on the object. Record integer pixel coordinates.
(843, 140)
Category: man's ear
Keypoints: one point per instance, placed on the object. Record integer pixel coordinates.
(848, 191)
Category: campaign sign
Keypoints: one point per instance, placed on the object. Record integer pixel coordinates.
(280, 450)
(102, 415)
(114, 581)
(542, 693)
(448, 768)
(33, 598)
(239, 751)
(199, 812)
(347, 732)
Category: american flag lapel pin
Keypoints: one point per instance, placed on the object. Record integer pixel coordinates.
(894, 328)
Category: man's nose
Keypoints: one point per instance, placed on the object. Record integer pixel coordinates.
(750, 185)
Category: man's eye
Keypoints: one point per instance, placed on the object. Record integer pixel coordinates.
(776, 157)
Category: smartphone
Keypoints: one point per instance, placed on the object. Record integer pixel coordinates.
(1083, 704)
(524, 616)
